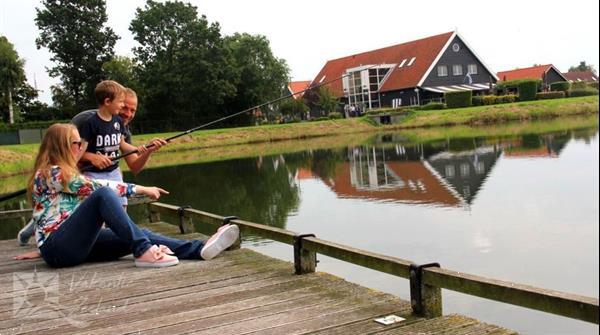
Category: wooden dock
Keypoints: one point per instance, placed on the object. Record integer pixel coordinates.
(239, 292)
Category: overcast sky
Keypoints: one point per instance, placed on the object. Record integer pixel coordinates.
(506, 34)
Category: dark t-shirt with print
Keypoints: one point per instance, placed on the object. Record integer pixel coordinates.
(103, 137)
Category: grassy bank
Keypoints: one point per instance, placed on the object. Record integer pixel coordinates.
(219, 144)
(519, 111)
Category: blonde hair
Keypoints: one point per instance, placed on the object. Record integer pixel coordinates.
(108, 89)
(55, 149)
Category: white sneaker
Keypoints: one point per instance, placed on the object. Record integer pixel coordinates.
(221, 240)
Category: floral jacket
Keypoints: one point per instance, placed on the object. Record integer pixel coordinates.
(53, 203)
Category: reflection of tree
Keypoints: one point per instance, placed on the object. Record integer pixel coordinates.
(264, 194)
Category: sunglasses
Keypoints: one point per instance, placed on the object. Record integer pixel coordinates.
(78, 144)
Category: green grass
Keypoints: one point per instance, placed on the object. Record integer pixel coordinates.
(531, 110)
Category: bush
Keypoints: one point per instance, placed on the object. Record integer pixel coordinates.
(335, 115)
(563, 86)
(433, 106)
(508, 98)
(593, 84)
(490, 100)
(550, 95)
(527, 90)
(458, 99)
(583, 93)
(579, 85)
(477, 100)
(321, 118)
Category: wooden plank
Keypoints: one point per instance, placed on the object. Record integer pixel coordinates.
(274, 300)
(150, 309)
(555, 302)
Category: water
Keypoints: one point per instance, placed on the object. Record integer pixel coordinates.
(519, 208)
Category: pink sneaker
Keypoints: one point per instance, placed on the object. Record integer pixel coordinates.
(221, 240)
(156, 257)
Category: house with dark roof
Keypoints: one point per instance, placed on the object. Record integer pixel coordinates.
(548, 74)
(293, 87)
(575, 76)
(411, 73)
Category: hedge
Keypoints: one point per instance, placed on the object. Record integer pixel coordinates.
(527, 90)
(30, 125)
(593, 84)
(433, 106)
(550, 95)
(583, 93)
(458, 99)
(502, 85)
(563, 86)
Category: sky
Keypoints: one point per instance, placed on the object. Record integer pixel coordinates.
(505, 35)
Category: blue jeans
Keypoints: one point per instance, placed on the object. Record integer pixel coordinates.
(81, 237)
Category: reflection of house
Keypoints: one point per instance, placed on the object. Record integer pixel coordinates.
(411, 73)
(587, 76)
(465, 171)
(548, 74)
(390, 175)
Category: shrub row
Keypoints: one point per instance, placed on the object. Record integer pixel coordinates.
(583, 92)
(481, 100)
(550, 95)
(31, 125)
(433, 106)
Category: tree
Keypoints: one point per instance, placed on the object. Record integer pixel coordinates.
(327, 101)
(121, 69)
(582, 67)
(185, 70)
(261, 74)
(74, 32)
(293, 107)
(12, 75)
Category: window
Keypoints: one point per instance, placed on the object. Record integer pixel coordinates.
(412, 60)
(472, 68)
(403, 61)
(457, 70)
(442, 71)
(450, 171)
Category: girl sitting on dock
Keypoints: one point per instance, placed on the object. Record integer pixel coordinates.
(69, 209)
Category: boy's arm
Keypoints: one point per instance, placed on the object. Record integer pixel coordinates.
(98, 160)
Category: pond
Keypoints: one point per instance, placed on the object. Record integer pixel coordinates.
(521, 208)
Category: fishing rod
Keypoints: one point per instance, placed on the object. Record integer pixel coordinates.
(189, 131)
